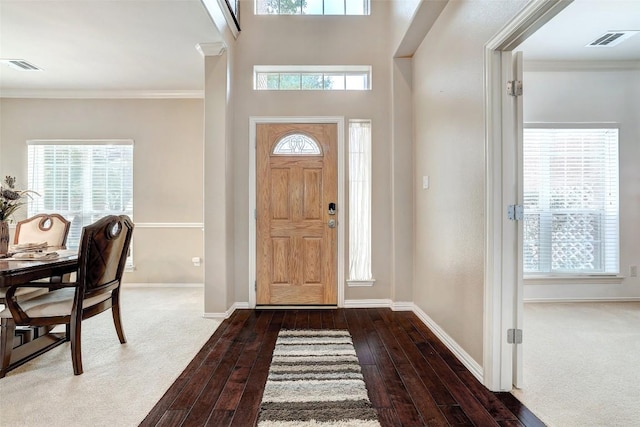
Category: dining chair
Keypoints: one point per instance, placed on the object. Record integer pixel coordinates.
(50, 228)
(101, 260)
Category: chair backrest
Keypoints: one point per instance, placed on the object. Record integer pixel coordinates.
(104, 246)
(50, 228)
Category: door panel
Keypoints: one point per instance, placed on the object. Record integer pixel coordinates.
(512, 190)
(296, 250)
(519, 293)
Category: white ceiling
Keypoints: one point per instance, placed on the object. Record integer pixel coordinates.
(105, 45)
(564, 37)
(149, 45)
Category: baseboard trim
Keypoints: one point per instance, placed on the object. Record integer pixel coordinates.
(464, 357)
(590, 299)
(235, 306)
(162, 285)
(402, 306)
(368, 303)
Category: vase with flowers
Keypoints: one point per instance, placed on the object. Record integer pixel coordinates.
(10, 200)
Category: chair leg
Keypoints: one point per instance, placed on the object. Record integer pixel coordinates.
(7, 334)
(115, 311)
(76, 347)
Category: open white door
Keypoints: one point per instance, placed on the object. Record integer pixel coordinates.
(512, 227)
(519, 294)
(504, 266)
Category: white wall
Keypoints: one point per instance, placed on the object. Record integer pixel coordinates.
(410, 21)
(403, 182)
(167, 160)
(402, 13)
(449, 134)
(595, 96)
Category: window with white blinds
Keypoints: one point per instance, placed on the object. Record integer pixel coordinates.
(81, 180)
(571, 212)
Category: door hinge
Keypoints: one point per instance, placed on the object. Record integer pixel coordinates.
(514, 336)
(255, 286)
(255, 214)
(514, 88)
(515, 212)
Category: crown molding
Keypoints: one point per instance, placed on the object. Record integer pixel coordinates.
(211, 49)
(580, 65)
(101, 94)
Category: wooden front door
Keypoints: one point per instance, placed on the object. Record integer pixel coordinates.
(296, 181)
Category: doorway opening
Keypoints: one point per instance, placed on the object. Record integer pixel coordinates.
(504, 121)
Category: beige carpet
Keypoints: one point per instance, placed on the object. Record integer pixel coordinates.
(582, 363)
(121, 383)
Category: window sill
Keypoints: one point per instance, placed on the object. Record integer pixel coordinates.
(360, 283)
(574, 279)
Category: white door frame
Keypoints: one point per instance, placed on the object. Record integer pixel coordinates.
(253, 122)
(501, 186)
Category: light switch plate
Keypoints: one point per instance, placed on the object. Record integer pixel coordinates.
(425, 182)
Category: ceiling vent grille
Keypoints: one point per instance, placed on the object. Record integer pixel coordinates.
(611, 38)
(20, 64)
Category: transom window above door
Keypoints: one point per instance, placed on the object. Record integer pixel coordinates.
(312, 77)
(312, 7)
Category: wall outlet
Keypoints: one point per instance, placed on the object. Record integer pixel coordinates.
(425, 182)
(196, 261)
(633, 271)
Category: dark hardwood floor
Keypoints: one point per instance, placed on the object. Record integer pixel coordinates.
(412, 378)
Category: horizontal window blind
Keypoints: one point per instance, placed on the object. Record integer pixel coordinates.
(81, 180)
(571, 214)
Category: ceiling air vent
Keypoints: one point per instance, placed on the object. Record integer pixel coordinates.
(20, 64)
(611, 38)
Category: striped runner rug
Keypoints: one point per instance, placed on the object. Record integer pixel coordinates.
(315, 380)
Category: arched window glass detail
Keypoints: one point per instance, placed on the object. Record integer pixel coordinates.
(297, 144)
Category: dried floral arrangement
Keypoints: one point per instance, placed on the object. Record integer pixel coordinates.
(11, 198)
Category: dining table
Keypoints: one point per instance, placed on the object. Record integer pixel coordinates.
(30, 342)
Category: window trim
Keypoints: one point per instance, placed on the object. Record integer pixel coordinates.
(80, 142)
(573, 279)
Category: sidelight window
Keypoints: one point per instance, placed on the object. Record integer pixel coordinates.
(360, 203)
